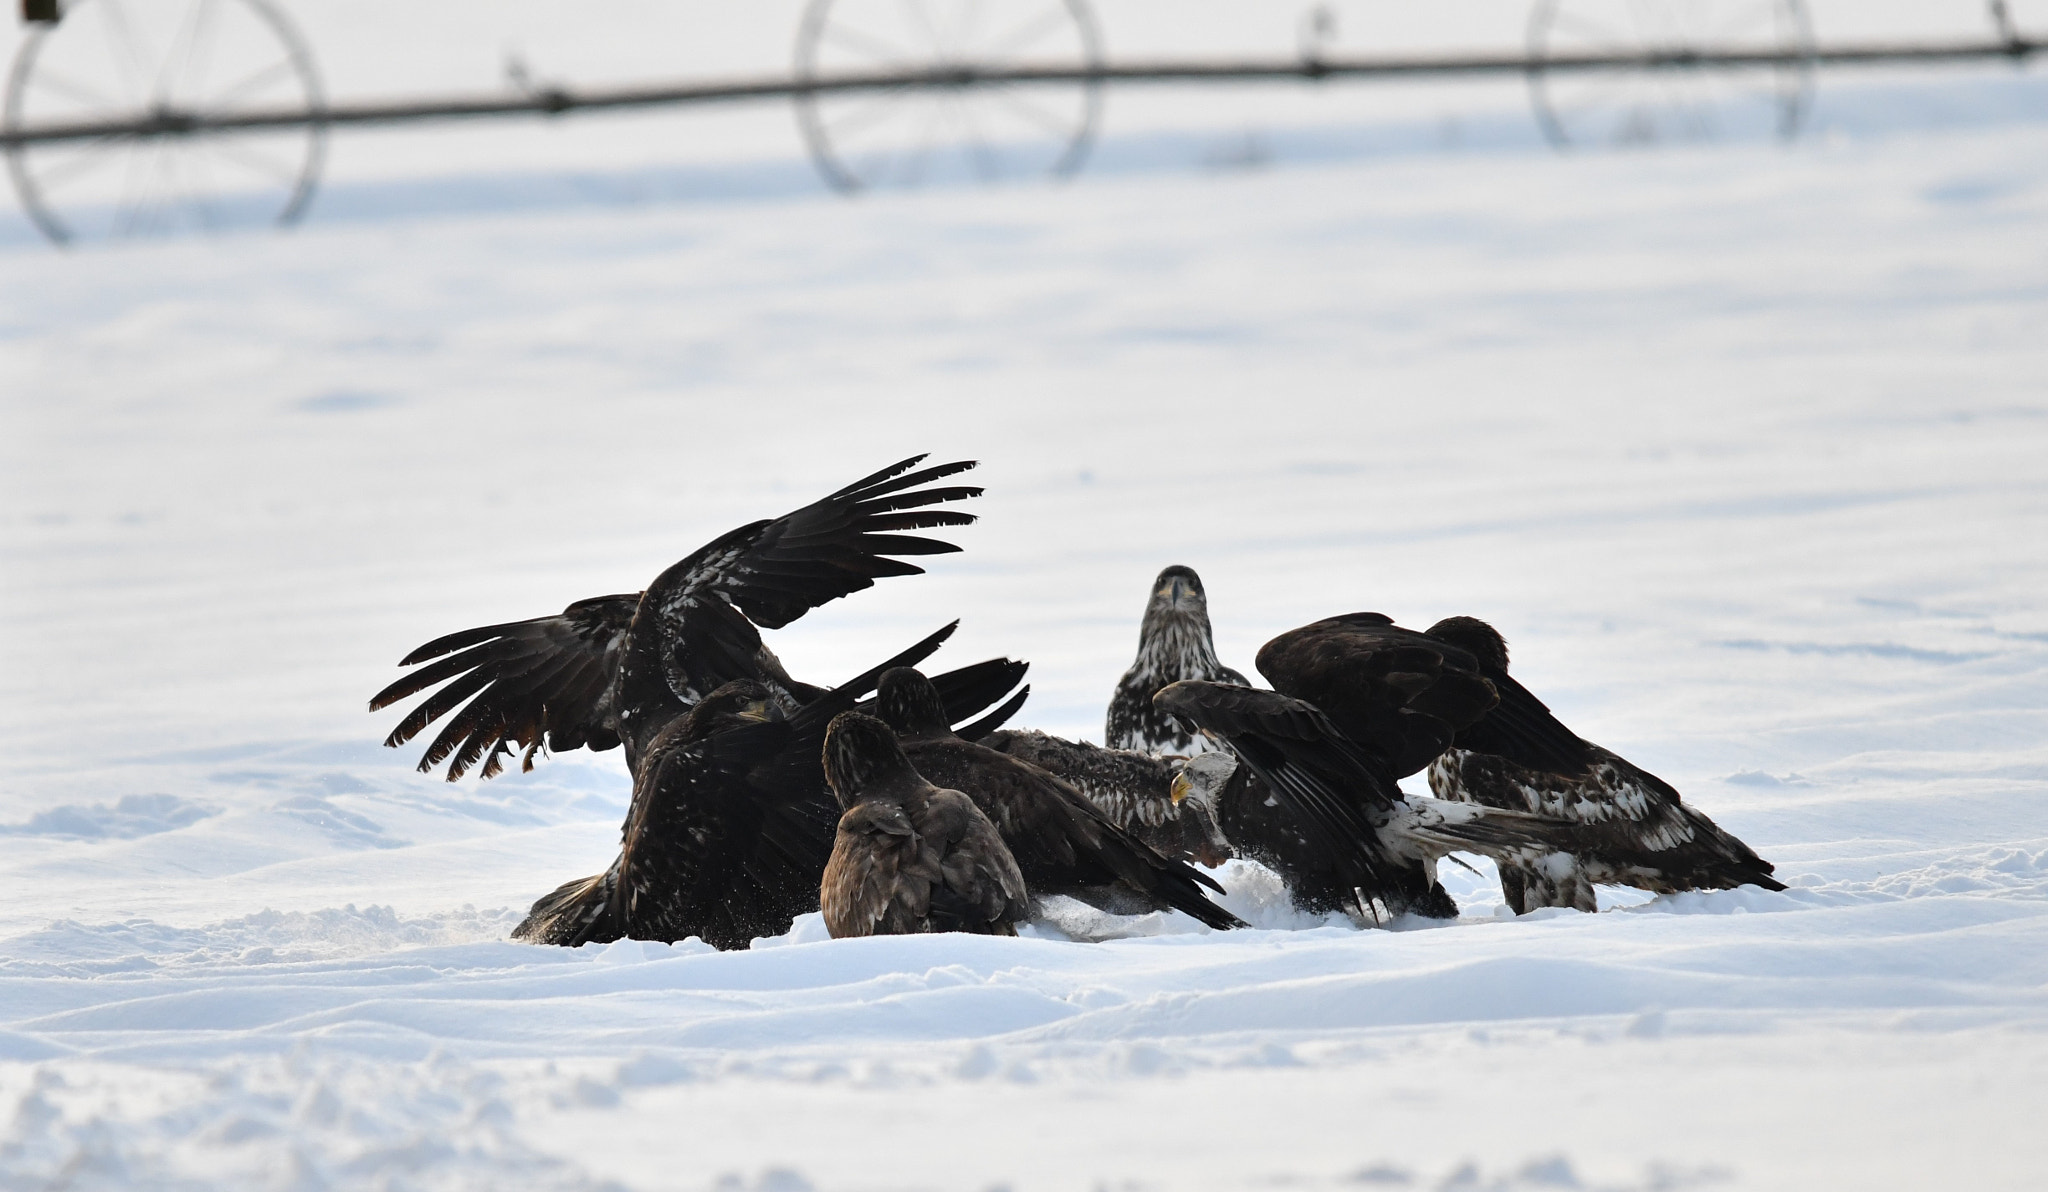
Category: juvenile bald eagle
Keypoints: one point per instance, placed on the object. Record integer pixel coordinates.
(1062, 842)
(1333, 822)
(1634, 828)
(1135, 790)
(909, 857)
(616, 670)
(1174, 643)
(730, 826)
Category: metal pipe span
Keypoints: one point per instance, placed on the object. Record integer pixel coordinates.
(553, 101)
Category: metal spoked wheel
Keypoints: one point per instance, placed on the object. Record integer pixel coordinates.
(973, 131)
(1637, 105)
(163, 63)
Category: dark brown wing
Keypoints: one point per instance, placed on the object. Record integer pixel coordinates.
(1405, 696)
(524, 684)
(776, 571)
(1061, 840)
(971, 689)
(981, 889)
(1332, 790)
(549, 680)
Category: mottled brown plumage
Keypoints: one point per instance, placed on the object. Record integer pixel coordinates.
(1633, 828)
(1063, 842)
(1134, 789)
(909, 857)
(1175, 642)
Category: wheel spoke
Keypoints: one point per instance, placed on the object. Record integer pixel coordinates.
(1600, 36)
(124, 42)
(89, 155)
(874, 110)
(176, 53)
(927, 137)
(923, 18)
(281, 171)
(1026, 34)
(1052, 122)
(70, 88)
(861, 43)
(141, 165)
(201, 56)
(249, 85)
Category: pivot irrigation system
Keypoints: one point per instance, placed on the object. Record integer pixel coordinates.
(147, 116)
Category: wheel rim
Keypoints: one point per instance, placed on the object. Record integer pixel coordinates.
(116, 60)
(984, 131)
(1624, 106)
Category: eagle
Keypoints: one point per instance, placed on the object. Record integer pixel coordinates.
(1063, 842)
(616, 670)
(1405, 697)
(1332, 821)
(1174, 643)
(1133, 788)
(909, 857)
(1634, 828)
(730, 826)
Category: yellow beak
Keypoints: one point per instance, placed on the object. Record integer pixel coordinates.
(1181, 786)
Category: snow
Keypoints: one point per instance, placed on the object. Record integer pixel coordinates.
(1740, 445)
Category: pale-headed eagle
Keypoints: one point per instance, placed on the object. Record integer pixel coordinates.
(1174, 643)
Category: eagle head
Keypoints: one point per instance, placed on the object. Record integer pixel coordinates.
(741, 701)
(909, 703)
(859, 750)
(1476, 638)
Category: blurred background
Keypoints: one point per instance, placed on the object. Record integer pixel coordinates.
(118, 58)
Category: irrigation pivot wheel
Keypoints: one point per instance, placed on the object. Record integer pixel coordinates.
(936, 130)
(1674, 100)
(163, 64)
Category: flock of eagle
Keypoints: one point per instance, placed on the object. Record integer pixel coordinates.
(897, 802)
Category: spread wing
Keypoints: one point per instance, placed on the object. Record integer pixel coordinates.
(776, 571)
(548, 681)
(525, 683)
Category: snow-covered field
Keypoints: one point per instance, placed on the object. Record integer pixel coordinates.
(1742, 446)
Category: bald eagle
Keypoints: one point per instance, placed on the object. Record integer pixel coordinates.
(1174, 643)
(1062, 842)
(730, 826)
(1341, 832)
(1135, 790)
(615, 670)
(1634, 828)
(909, 857)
